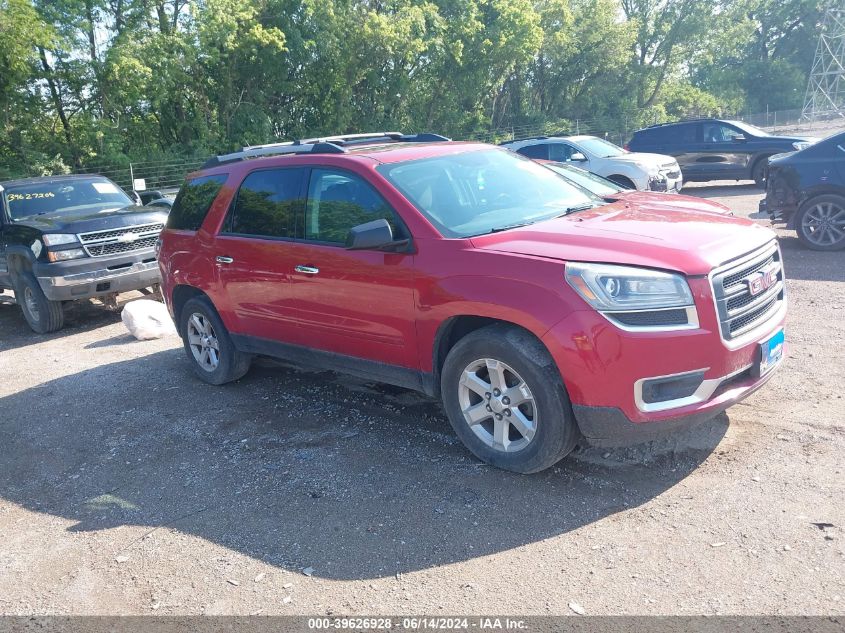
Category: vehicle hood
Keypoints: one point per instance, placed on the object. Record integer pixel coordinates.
(688, 241)
(83, 220)
(645, 157)
(670, 201)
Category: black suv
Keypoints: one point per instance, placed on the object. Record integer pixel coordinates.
(72, 237)
(712, 149)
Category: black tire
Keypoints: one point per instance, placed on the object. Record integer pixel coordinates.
(555, 430)
(623, 181)
(42, 315)
(231, 363)
(813, 233)
(758, 172)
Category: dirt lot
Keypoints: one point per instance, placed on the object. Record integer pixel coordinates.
(127, 486)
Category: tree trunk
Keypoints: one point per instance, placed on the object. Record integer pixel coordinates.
(57, 103)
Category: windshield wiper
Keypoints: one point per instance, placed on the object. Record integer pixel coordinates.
(575, 209)
(508, 227)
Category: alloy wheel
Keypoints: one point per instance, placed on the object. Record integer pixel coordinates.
(824, 224)
(498, 405)
(202, 340)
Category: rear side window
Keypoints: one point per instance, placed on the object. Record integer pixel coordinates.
(194, 200)
(267, 203)
(541, 151)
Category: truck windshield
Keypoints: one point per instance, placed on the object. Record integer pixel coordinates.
(483, 191)
(96, 194)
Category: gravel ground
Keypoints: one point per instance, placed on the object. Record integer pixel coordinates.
(128, 487)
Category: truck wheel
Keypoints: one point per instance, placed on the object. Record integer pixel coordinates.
(820, 223)
(758, 172)
(41, 314)
(506, 401)
(210, 350)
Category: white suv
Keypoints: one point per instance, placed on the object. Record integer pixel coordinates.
(635, 170)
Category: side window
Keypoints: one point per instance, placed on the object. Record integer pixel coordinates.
(719, 133)
(193, 201)
(337, 201)
(686, 133)
(540, 150)
(267, 203)
(560, 151)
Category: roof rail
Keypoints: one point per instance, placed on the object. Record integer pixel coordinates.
(324, 145)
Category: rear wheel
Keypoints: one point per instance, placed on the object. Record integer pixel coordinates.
(820, 223)
(41, 314)
(213, 356)
(506, 401)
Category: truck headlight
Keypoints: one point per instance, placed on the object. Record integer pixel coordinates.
(57, 239)
(61, 256)
(611, 288)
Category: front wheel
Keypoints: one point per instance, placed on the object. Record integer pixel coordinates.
(42, 314)
(506, 401)
(820, 223)
(213, 356)
(758, 173)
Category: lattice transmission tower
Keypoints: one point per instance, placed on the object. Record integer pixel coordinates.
(826, 89)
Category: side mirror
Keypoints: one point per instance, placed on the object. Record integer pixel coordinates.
(375, 235)
(739, 138)
(578, 157)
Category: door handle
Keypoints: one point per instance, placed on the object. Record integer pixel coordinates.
(222, 259)
(307, 270)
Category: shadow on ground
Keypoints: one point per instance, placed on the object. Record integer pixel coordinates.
(724, 189)
(802, 263)
(301, 469)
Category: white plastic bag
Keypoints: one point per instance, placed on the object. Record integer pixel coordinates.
(146, 319)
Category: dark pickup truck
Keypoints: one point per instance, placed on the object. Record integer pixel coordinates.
(64, 238)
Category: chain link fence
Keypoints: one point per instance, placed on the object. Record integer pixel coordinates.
(167, 175)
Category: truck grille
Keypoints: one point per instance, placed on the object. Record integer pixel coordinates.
(748, 291)
(124, 240)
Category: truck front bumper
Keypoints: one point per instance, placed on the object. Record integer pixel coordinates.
(91, 277)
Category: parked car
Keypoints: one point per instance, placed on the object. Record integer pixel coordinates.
(165, 204)
(806, 190)
(149, 195)
(64, 238)
(713, 149)
(537, 311)
(611, 192)
(646, 172)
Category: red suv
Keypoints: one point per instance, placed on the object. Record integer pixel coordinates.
(537, 312)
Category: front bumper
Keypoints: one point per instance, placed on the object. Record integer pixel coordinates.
(665, 183)
(92, 277)
(605, 370)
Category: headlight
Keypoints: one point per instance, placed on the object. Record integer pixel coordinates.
(61, 256)
(623, 288)
(55, 239)
(800, 145)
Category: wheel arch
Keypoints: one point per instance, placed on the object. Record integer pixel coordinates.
(622, 179)
(456, 327)
(181, 294)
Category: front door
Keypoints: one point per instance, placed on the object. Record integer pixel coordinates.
(721, 155)
(252, 252)
(354, 303)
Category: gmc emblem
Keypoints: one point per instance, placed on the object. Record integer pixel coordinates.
(761, 280)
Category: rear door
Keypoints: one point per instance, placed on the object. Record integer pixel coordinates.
(353, 303)
(720, 154)
(252, 251)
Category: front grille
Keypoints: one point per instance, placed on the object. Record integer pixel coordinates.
(739, 310)
(125, 240)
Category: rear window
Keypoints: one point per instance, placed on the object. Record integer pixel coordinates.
(194, 200)
(682, 133)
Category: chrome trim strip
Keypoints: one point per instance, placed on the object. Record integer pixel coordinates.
(704, 392)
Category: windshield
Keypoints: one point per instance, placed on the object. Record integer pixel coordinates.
(592, 182)
(749, 129)
(599, 147)
(484, 191)
(59, 196)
